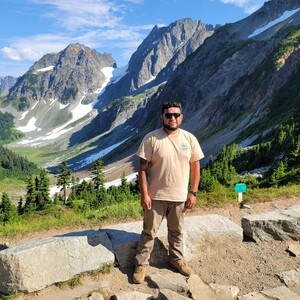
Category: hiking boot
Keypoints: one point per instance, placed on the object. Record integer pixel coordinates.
(139, 274)
(181, 267)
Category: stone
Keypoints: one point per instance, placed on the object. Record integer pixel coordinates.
(280, 225)
(199, 290)
(32, 266)
(171, 281)
(199, 228)
(170, 295)
(225, 292)
(281, 293)
(291, 278)
(253, 296)
(95, 296)
(294, 249)
(135, 295)
(125, 237)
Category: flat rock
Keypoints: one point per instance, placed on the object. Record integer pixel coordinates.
(135, 295)
(281, 225)
(171, 281)
(171, 295)
(225, 292)
(294, 249)
(35, 265)
(125, 237)
(281, 293)
(199, 290)
(253, 296)
(291, 279)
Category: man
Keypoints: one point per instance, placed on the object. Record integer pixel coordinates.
(169, 156)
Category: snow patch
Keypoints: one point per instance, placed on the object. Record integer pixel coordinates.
(95, 156)
(24, 115)
(285, 15)
(151, 79)
(29, 127)
(45, 69)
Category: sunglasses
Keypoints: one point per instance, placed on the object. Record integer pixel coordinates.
(169, 115)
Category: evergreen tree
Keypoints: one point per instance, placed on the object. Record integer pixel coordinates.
(7, 209)
(20, 206)
(42, 190)
(30, 196)
(98, 177)
(64, 179)
(124, 188)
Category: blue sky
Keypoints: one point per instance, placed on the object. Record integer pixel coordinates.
(31, 28)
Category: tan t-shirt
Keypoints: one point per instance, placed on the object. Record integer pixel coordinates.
(169, 157)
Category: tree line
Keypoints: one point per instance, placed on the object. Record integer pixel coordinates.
(278, 151)
(80, 196)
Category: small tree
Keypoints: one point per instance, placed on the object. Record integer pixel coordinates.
(64, 179)
(42, 190)
(7, 209)
(30, 195)
(98, 177)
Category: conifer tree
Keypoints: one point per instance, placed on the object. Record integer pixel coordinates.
(98, 177)
(42, 190)
(7, 209)
(64, 179)
(30, 195)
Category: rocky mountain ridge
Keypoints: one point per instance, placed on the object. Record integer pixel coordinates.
(6, 82)
(226, 83)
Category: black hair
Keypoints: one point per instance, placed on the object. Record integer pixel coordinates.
(170, 104)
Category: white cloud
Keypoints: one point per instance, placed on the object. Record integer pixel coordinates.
(249, 6)
(73, 15)
(95, 23)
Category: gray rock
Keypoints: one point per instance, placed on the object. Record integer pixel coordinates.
(171, 281)
(275, 225)
(33, 266)
(165, 294)
(291, 278)
(132, 296)
(199, 290)
(95, 296)
(206, 227)
(253, 296)
(294, 249)
(281, 293)
(124, 237)
(225, 292)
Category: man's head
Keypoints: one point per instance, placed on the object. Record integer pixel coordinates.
(171, 115)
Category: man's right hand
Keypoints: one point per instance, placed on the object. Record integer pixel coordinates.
(146, 202)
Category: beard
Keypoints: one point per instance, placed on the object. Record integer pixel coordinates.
(171, 128)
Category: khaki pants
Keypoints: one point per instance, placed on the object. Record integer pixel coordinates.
(174, 213)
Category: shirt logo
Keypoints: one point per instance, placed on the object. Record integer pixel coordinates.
(184, 147)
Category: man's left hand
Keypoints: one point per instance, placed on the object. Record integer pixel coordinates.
(190, 201)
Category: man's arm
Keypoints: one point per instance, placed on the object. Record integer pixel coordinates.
(145, 199)
(194, 181)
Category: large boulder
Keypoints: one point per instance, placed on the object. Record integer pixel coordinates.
(32, 266)
(125, 237)
(280, 225)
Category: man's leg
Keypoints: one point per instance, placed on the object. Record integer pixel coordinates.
(175, 220)
(151, 223)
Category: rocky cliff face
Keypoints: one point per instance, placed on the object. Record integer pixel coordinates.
(158, 56)
(6, 82)
(228, 82)
(58, 90)
(70, 75)
(225, 79)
